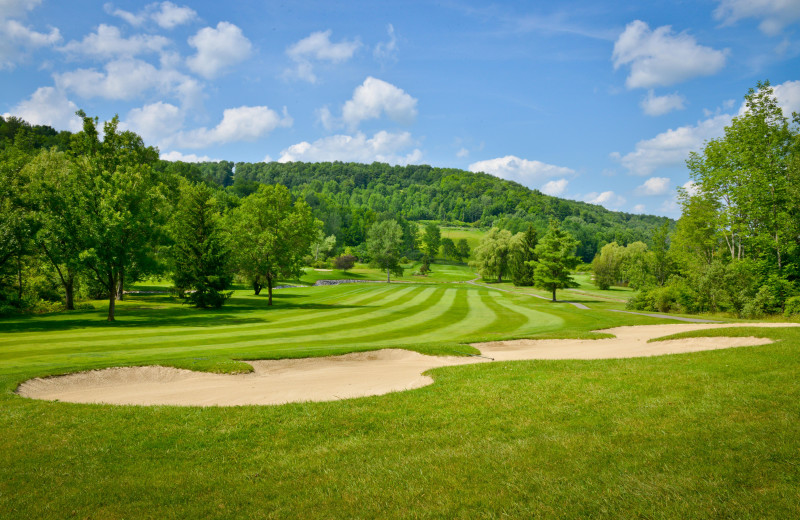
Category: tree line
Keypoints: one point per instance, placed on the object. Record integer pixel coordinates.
(736, 246)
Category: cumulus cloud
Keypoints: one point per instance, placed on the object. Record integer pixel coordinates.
(127, 79)
(653, 105)
(178, 156)
(16, 39)
(392, 148)
(238, 124)
(654, 186)
(671, 148)
(165, 14)
(387, 51)
(607, 199)
(639, 208)
(660, 57)
(554, 188)
(218, 49)
(788, 96)
(523, 171)
(317, 47)
(775, 15)
(155, 121)
(374, 98)
(108, 42)
(48, 106)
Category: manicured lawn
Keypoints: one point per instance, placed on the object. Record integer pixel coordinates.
(705, 435)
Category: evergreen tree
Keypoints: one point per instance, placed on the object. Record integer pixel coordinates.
(432, 239)
(556, 258)
(200, 256)
(523, 254)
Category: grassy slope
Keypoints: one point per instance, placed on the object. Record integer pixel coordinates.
(712, 434)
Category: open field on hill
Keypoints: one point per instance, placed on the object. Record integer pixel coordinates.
(702, 435)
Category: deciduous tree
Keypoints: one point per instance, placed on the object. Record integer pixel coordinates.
(384, 240)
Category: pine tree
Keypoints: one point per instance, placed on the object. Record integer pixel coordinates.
(556, 252)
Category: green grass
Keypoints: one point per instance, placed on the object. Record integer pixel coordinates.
(705, 435)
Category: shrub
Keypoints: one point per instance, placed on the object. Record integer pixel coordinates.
(792, 306)
(344, 262)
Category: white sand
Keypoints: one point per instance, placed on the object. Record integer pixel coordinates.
(352, 375)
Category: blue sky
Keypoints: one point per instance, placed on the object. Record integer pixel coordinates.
(588, 100)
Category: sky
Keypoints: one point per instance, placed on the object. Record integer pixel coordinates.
(591, 100)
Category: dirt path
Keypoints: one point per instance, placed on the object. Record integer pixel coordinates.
(352, 375)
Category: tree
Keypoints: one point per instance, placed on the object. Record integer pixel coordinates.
(522, 257)
(121, 201)
(57, 200)
(200, 255)
(607, 265)
(344, 262)
(384, 240)
(269, 236)
(462, 248)
(556, 258)
(432, 239)
(322, 244)
(491, 255)
(449, 250)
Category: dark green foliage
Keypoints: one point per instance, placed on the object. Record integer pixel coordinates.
(344, 262)
(336, 191)
(383, 243)
(462, 248)
(432, 239)
(556, 258)
(523, 256)
(449, 250)
(201, 260)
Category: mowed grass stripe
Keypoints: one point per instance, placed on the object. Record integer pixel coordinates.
(538, 319)
(463, 320)
(360, 295)
(506, 319)
(404, 297)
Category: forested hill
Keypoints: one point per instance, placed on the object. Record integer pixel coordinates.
(342, 194)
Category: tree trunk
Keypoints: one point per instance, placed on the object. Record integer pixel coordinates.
(554, 294)
(256, 288)
(69, 291)
(112, 297)
(499, 278)
(121, 287)
(269, 289)
(388, 276)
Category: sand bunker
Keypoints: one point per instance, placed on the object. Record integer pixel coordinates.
(352, 375)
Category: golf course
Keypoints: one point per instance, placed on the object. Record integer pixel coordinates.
(704, 434)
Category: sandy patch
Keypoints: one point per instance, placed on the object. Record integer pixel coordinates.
(351, 375)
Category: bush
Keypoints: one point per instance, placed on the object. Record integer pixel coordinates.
(344, 262)
(792, 307)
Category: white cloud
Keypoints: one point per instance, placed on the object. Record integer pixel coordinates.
(662, 58)
(325, 118)
(788, 96)
(318, 47)
(671, 148)
(218, 49)
(238, 124)
(127, 79)
(654, 186)
(607, 199)
(774, 14)
(387, 51)
(384, 147)
(639, 208)
(691, 189)
(48, 106)
(523, 171)
(165, 14)
(653, 105)
(554, 188)
(155, 121)
(374, 98)
(108, 42)
(462, 153)
(16, 40)
(169, 15)
(178, 156)
(16, 8)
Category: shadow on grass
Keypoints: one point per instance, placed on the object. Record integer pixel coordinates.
(175, 316)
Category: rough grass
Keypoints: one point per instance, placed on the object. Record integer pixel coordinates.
(704, 435)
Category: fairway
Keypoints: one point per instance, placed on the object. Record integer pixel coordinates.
(648, 436)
